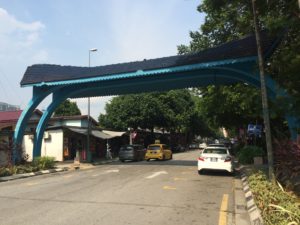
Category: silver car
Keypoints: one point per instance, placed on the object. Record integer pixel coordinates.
(133, 152)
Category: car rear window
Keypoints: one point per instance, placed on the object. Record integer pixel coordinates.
(126, 148)
(217, 145)
(215, 151)
(153, 147)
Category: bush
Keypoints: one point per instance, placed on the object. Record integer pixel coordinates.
(248, 152)
(7, 171)
(44, 162)
(277, 206)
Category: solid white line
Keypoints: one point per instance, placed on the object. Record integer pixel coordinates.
(156, 174)
(112, 171)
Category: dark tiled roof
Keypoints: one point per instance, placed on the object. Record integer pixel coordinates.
(245, 47)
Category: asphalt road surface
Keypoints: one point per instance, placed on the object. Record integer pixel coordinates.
(155, 192)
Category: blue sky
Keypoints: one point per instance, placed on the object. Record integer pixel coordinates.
(62, 31)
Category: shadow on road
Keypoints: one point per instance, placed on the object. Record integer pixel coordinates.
(216, 173)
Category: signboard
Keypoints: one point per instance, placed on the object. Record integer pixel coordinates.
(254, 129)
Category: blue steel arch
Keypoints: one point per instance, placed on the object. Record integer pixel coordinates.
(195, 78)
(232, 62)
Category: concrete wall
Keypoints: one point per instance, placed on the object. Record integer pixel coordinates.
(51, 146)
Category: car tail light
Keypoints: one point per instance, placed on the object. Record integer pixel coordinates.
(227, 159)
(201, 158)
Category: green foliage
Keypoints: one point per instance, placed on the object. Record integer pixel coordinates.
(6, 171)
(173, 111)
(277, 206)
(248, 152)
(38, 163)
(230, 106)
(44, 162)
(67, 108)
(229, 20)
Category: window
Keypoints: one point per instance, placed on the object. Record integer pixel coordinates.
(215, 151)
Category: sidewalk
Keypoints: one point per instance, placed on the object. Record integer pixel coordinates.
(59, 167)
(69, 165)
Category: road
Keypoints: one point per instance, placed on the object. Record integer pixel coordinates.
(155, 192)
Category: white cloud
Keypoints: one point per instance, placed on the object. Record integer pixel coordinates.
(16, 32)
(20, 46)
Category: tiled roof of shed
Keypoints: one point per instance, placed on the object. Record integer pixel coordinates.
(245, 47)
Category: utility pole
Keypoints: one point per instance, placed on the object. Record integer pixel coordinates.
(88, 150)
(264, 95)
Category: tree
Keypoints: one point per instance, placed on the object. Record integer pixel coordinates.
(173, 111)
(228, 20)
(67, 108)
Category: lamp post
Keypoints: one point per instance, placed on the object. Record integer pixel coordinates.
(89, 155)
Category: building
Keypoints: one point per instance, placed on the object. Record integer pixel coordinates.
(7, 107)
(63, 137)
(8, 121)
(67, 135)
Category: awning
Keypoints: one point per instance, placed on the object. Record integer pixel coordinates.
(97, 133)
(113, 133)
(78, 130)
(100, 134)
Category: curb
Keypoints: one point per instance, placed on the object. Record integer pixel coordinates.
(42, 172)
(254, 212)
(25, 175)
(105, 162)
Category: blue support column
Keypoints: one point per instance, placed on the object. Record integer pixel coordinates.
(38, 96)
(58, 98)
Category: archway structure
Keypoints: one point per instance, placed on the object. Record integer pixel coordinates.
(232, 62)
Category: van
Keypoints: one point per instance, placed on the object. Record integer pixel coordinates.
(133, 152)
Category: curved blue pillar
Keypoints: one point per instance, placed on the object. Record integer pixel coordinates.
(58, 98)
(38, 96)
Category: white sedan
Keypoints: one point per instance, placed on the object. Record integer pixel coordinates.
(215, 158)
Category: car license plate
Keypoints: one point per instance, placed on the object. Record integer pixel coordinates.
(214, 159)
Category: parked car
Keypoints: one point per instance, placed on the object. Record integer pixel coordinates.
(158, 151)
(215, 158)
(193, 146)
(133, 152)
(217, 145)
(178, 148)
(202, 146)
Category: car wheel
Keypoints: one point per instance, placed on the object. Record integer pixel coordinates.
(200, 172)
(171, 156)
(148, 160)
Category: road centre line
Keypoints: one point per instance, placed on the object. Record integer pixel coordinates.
(178, 178)
(156, 174)
(31, 183)
(111, 171)
(169, 188)
(223, 210)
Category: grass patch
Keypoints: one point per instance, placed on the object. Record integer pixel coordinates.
(277, 206)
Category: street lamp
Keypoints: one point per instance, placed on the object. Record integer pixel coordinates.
(89, 156)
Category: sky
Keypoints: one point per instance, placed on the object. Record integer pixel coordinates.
(62, 32)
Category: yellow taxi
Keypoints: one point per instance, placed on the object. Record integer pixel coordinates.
(158, 151)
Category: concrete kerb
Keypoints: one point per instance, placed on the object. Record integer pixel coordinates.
(253, 210)
(25, 175)
(61, 168)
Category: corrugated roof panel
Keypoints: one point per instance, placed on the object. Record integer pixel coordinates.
(237, 49)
